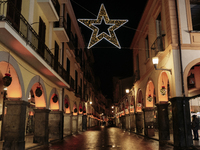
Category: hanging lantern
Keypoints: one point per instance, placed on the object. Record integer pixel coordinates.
(38, 92)
(66, 105)
(149, 98)
(55, 98)
(75, 110)
(7, 79)
(163, 91)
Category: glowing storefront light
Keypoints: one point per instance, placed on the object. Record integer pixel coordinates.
(96, 37)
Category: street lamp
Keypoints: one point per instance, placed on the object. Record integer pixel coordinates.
(127, 91)
(155, 61)
(112, 107)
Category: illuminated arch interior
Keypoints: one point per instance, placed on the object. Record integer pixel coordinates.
(39, 101)
(149, 94)
(139, 102)
(66, 102)
(54, 106)
(14, 89)
(80, 108)
(163, 84)
(75, 107)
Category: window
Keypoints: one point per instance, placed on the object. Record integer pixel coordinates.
(42, 31)
(147, 46)
(56, 54)
(68, 66)
(195, 14)
(76, 81)
(158, 25)
(159, 42)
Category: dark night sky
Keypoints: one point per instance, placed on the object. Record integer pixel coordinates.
(109, 60)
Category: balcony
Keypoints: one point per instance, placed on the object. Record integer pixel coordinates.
(22, 39)
(51, 9)
(60, 29)
(157, 46)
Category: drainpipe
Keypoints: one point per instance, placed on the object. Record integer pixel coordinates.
(182, 82)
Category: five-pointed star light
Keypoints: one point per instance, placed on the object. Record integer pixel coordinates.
(96, 36)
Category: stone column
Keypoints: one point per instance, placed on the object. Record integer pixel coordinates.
(139, 122)
(80, 122)
(41, 131)
(181, 122)
(132, 120)
(84, 122)
(148, 122)
(14, 127)
(127, 117)
(67, 124)
(163, 121)
(55, 125)
(74, 124)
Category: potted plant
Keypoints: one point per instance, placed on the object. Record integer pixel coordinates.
(149, 98)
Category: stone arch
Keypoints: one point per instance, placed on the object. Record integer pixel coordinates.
(66, 104)
(4, 56)
(149, 95)
(186, 73)
(163, 87)
(139, 101)
(52, 105)
(42, 100)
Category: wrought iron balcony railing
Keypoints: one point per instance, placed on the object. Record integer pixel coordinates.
(24, 29)
(157, 46)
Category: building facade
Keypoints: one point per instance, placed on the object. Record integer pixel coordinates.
(46, 80)
(166, 94)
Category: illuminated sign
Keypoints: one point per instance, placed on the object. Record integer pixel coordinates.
(96, 36)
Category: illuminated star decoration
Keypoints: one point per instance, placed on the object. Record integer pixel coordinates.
(96, 37)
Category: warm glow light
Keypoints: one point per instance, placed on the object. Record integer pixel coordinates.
(127, 90)
(155, 60)
(90, 102)
(96, 37)
(112, 107)
(5, 89)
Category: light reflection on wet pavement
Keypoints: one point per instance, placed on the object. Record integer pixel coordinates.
(105, 138)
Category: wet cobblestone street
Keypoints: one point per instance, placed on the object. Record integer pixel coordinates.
(106, 138)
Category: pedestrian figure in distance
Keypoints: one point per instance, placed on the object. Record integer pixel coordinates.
(195, 127)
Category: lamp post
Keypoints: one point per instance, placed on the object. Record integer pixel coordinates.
(155, 61)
